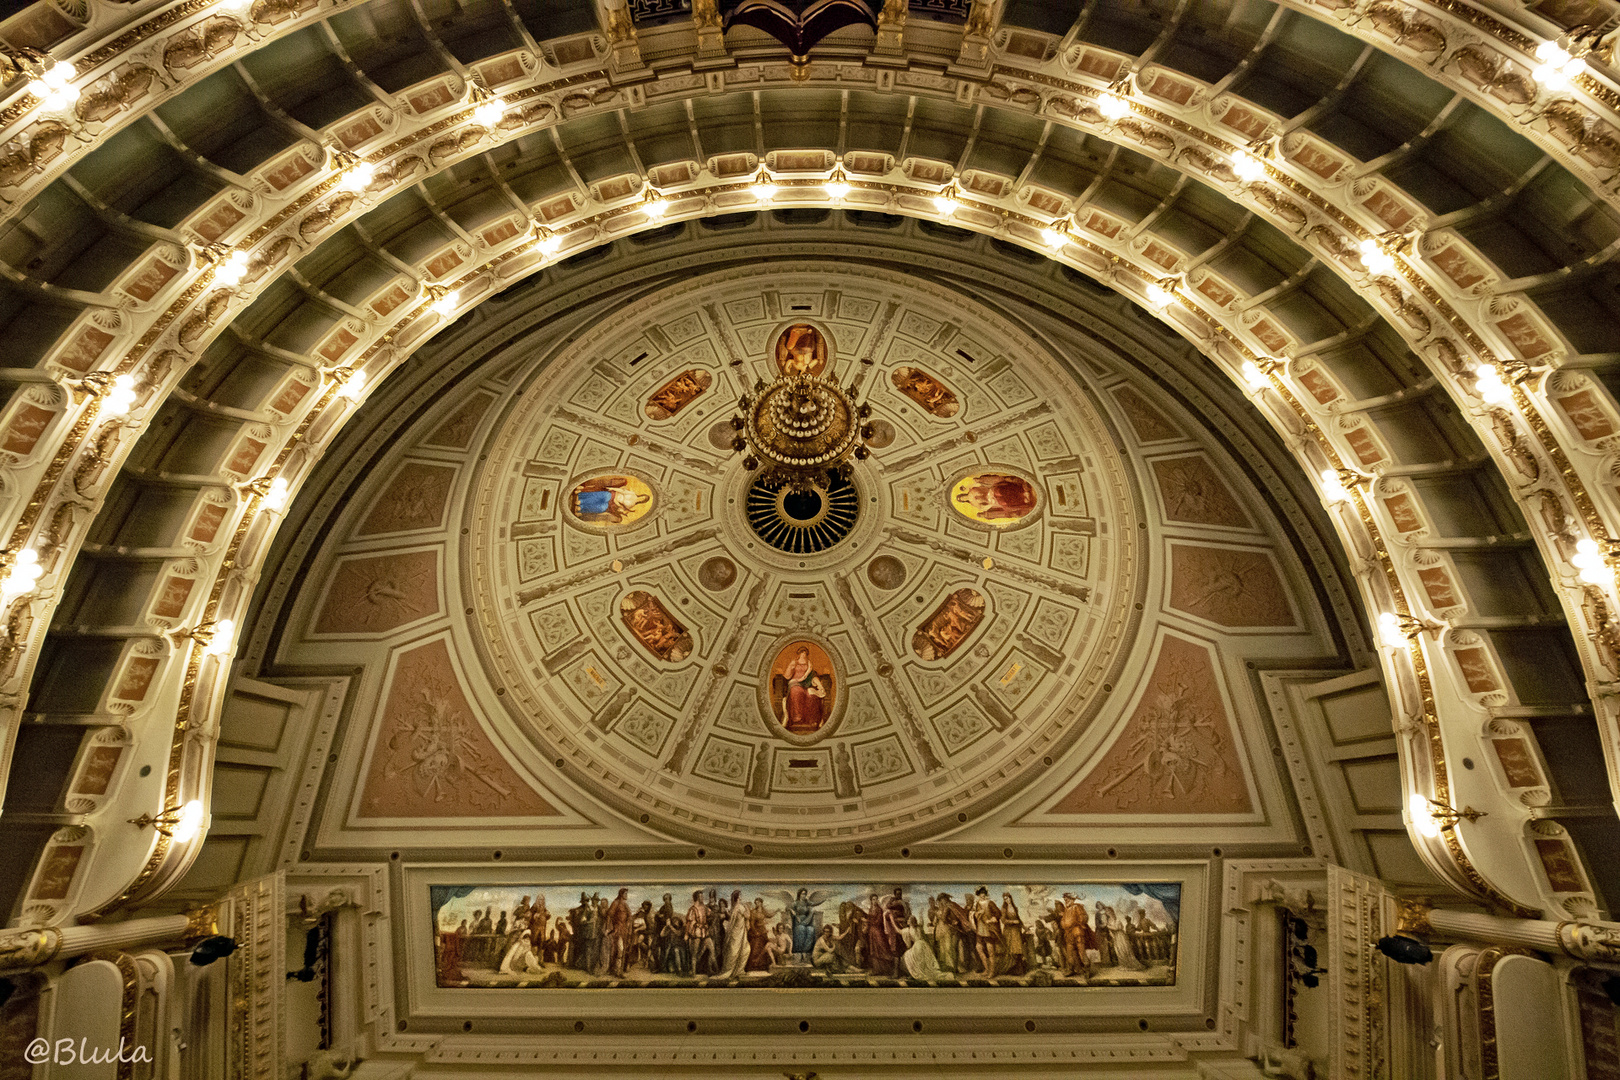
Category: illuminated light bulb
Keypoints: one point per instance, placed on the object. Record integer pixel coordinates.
(360, 176)
(1113, 106)
(655, 208)
(445, 306)
(1557, 68)
(353, 387)
(764, 191)
(1248, 167)
(120, 396)
(945, 205)
(189, 822)
(25, 574)
(1159, 296)
(1490, 385)
(275, 497)
(55, 85)
(1588, 560)
(489, 113)
(1333, 487)
(1054, 236)
(1422, 813)
(1376, 259)
(837, 190)
(231, 272)
(1389, 630)
(1257, 379)
(220, 643)
(548, 246)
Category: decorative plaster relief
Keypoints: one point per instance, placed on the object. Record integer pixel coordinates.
(1177, 754)
(431, 757)
(413, 501)
(378, 593)
(1232, 587)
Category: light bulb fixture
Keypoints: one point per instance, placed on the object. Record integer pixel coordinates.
(1430, 817)
(1376, 259)
(837, 190)
(655, 208)
(275, 494)
(764, 188)
(1397, 631)
(489, 113)
(1492, 390)
(120, 396)
(54, 83)
(1159, 296)
(1590, 564)
(1113, 106)
(444, 305)
(1248, 167)
(945, 202)
(23, 576)
(179, 823)
(358, 177)
(1557, 68)
(351, 383)
(1056, 234)
(1255, 376)
(1333, 488)
(220, 638)
(231, 272)
(548, 244)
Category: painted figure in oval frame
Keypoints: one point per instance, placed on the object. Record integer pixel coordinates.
(802, 685)
(801, 350)
(992, 498)
(612, 500)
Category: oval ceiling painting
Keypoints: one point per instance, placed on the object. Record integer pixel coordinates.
(994, 498)
(610, 501)
(801, 350)
(802, 687)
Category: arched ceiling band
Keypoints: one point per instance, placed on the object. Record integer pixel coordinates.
(65, 479)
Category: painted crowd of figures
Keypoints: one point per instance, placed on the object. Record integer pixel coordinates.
(714, 937)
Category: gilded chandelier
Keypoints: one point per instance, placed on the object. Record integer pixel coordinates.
(801, 431)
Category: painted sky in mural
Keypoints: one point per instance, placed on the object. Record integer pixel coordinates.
(752, 934)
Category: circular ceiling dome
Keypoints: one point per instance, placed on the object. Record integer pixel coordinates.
(959, 624)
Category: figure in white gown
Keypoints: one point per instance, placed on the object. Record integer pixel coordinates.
(520, 957)
(1124, 952)
(736, 939)
(920, 959)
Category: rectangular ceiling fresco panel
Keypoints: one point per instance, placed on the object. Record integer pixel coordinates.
(791, 935)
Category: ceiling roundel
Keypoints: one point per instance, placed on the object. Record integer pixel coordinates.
(950, 622)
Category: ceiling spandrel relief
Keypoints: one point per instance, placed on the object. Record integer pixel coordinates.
(870, 656)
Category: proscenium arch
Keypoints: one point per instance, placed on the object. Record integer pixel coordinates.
(1319, 437)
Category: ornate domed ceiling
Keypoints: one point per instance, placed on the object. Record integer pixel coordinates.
(963, 628)
(1044, 611)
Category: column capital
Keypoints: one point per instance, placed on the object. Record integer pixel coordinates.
(1597, 943)
(28, 948)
